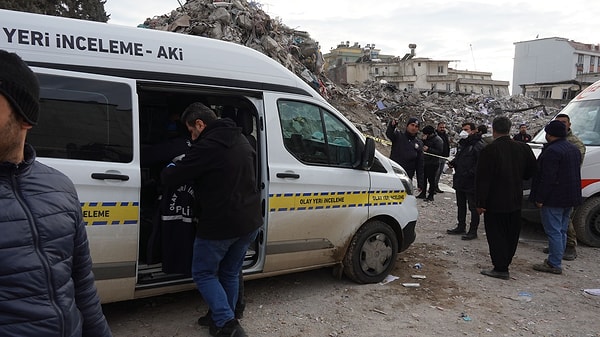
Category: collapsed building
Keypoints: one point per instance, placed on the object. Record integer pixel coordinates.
(370, 104)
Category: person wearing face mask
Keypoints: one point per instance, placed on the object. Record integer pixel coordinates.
(464, 164)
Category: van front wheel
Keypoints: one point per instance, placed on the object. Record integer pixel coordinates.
(372, 253)
(586, 221)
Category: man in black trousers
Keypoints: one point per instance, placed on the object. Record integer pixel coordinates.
(501, 169)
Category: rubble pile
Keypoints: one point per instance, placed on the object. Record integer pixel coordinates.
(369, 105)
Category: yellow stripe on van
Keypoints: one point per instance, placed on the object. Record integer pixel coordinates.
(110, 213)
(327, 200)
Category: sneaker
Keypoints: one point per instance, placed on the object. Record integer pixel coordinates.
(547, 268)
(497, 274)
(469, 236)
(570, 253)
(230, 329)
(456, 231)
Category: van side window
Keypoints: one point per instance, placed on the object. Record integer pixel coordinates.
(83, 119)
(315, 136)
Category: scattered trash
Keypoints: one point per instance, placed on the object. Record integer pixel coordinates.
(465, 317)
(595, 292)
(379, 311)
(525, 296)
(419, 276)
(411, 285)
(389, 279)
(418, 266)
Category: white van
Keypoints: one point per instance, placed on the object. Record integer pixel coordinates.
(109, 95)
(584, 114)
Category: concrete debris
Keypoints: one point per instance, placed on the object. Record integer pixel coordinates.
(369, 105)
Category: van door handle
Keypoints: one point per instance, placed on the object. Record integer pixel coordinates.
(288, 175)
(104, 176)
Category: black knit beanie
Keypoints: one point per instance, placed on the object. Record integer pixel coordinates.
(20, 86)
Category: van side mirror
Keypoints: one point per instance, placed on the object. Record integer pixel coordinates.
(368, 154)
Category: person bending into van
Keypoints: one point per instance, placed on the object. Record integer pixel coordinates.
(47, 286)
(407, 149)
(501, 169)
(228, 206)
(556, 190)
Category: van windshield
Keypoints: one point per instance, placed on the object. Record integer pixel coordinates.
(585, 122)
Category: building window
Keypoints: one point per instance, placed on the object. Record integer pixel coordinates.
(579, 64)
(418, 64)
(545, 92)
(410, 86)
(448, 87)
(440, 69)
(592, 63)
(376, 71)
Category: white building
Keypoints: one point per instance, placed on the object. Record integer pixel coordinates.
(551, 60)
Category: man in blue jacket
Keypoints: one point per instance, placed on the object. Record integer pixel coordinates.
(47, 286)
(228, 206)
(556, 189)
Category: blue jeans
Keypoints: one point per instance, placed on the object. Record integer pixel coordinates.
(556, 221)
(215, 269)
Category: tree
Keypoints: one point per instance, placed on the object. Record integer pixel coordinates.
(92, 10)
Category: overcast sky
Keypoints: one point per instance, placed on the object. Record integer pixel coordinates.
(474, 35)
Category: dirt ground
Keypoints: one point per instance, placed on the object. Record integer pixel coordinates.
(453, 299)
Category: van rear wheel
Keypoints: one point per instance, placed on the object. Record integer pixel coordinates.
(372, 253)
(586, 222)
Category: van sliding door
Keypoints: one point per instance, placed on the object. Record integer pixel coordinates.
(87, 131)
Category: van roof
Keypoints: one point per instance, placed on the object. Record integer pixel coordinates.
(591, 92)
(139, 53)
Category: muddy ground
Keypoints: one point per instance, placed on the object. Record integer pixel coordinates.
(453, 300)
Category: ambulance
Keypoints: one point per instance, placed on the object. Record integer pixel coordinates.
(110, 100)
(584, 114)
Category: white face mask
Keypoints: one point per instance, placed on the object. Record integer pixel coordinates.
(463, 134)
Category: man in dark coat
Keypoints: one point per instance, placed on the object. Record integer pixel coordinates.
(501, 169)
(463, 182)
(556, 190)
(228, 207)
(441, 131)
(407, 149)
(432, 149)
(47, 285)
(522, 136)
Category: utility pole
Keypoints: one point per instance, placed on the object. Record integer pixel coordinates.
(473, 56)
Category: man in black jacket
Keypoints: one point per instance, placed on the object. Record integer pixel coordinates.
(501, 169)
(407, 149)
(432, 149)
(443, 133)
(47, 285)
(227, 204)
(463, 182)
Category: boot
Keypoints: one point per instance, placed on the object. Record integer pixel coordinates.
(429, 198)
(458, 230)
(421, 195)
(570, 253)
(470, 235)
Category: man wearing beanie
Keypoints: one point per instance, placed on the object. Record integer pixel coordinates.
(47, 287)
(556, 190)
(407, 149)
(433, 145)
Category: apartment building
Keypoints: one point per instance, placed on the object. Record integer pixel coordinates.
(345, 66)
(554, 68)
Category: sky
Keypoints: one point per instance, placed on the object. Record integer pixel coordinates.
(474, 35)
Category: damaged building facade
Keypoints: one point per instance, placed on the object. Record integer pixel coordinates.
(353, 64)
(554, 80)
